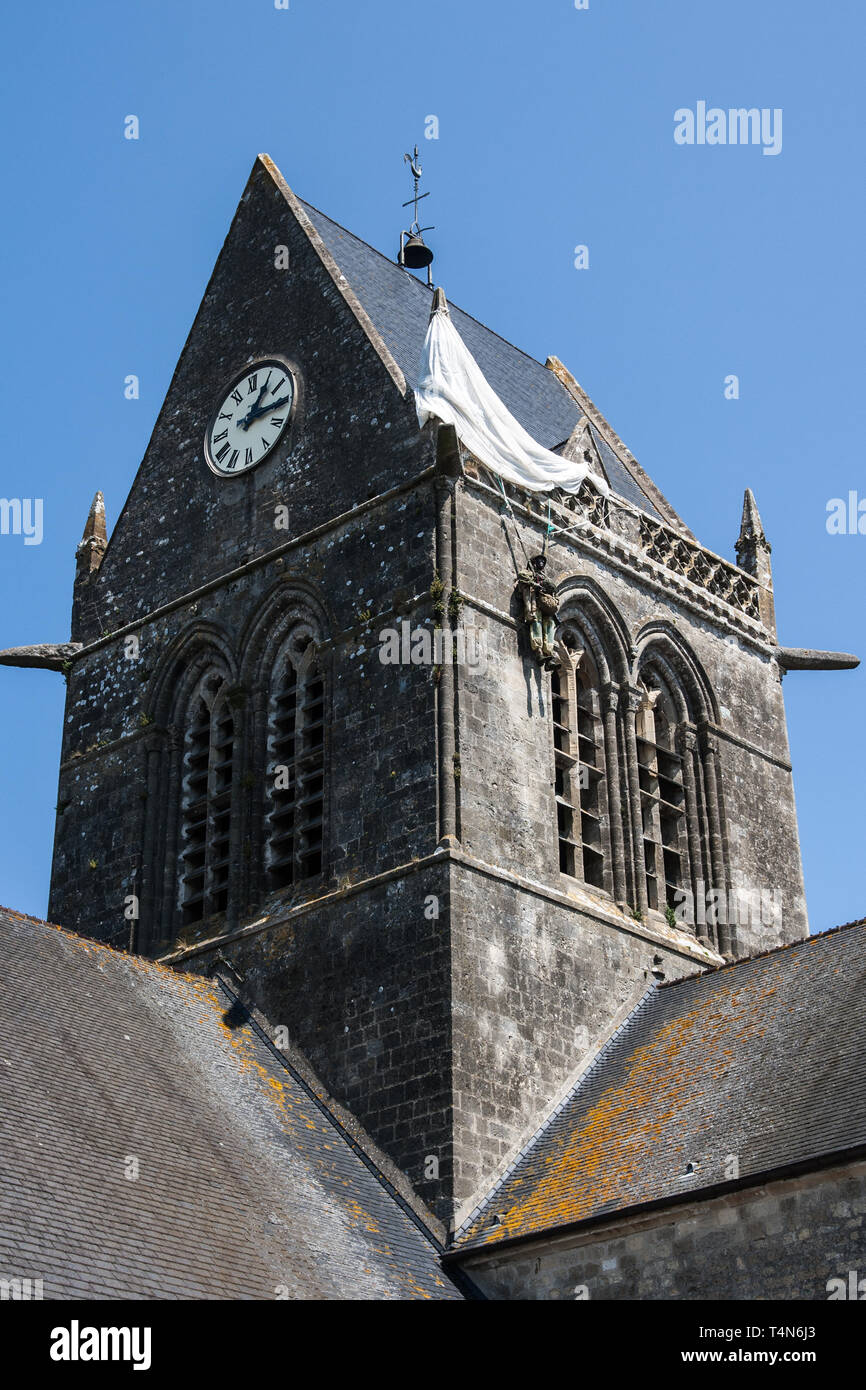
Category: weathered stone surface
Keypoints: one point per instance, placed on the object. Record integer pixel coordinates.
(807, 659)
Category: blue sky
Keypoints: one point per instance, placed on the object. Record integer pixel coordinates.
(555, 129)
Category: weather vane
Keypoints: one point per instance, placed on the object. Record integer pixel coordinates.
(414, 252)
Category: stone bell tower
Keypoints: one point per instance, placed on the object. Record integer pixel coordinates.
(450, 879)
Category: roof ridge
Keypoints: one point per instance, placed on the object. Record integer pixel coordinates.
(760, 955)
(340, 280)
(640, 1107)
(135, 957)
(252, 1188)
(597, 437)
(28, 917)
(525, 383)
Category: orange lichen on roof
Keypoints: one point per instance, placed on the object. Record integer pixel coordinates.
(365, 1217)
(608, 1147)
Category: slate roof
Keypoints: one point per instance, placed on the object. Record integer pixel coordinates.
(764, 1059)
(245, 1185)
(398, 303)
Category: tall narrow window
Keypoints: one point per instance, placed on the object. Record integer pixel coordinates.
(207, 799)
(578, 741)
(566, 773)
(281, 840)
(311, 776)
(296, 759)
(660, 770)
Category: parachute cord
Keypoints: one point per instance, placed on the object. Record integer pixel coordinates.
(511, 514)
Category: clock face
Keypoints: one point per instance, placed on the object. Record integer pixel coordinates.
(251, 419)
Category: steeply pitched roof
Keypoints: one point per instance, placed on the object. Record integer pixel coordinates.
(398, 304)
(764, 1061)
(245, 1188)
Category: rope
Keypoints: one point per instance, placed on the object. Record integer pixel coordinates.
(511, 514)
(566, 530)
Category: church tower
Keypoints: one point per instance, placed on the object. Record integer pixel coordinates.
(307, 736)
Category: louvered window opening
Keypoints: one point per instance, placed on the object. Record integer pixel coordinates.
(206, 819)
(578, 741)
(660, 771)
(297, 745)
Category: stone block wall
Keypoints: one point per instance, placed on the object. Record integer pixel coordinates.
(507, 814)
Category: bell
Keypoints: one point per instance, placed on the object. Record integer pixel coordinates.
(416, 254)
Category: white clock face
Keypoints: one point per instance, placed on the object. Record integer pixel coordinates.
(249, 423)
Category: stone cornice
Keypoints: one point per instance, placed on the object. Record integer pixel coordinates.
(617, 551)
(580, 901)
(257, 562)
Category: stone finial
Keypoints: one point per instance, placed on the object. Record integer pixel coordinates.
(751, 538)
(92, 546)
(753, 555)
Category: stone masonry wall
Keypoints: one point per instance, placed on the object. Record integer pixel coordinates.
(353, 438)
(361, 982)
(352, 435)
(507, 813)
(536, 983)
(381, 806)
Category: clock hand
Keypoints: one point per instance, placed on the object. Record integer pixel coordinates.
(248, 419)
(254, 408)
(263, 410)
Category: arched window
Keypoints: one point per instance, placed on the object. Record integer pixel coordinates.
(206, 800)
(681, 818)
(294, 839)
(663, 812)
(638, 794)
(580, 765)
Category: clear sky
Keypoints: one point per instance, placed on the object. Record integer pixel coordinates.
(556, 129)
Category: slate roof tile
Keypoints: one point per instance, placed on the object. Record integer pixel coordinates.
(244, 1185)
(398, 303)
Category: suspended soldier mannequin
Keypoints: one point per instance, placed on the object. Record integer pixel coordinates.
(539, 611)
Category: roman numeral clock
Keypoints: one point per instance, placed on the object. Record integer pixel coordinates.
(251, 418)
